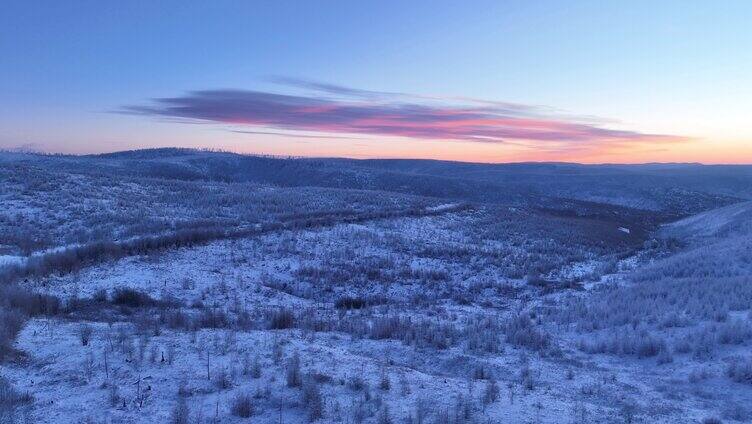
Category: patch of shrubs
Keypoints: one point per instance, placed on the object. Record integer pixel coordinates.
(242, 405)
(521, 332)
(281, 319)
(10, 400)
(132, 298)
(740, 371)
(16, 305)
(348, 303)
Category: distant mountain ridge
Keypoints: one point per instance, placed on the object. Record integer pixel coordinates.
(677, 190)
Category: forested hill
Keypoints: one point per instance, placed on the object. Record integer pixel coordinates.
(674, 190)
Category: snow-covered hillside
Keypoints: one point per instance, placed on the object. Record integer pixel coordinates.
(726, 222)
(140, 287)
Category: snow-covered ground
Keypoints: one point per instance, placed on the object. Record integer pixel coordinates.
(493, 313)
(70, 382)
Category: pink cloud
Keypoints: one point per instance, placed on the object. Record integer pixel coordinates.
(335, 109)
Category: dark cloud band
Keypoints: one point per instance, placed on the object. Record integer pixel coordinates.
(355, 111)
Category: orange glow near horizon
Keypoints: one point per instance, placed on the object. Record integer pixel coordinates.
(693, 150)
(704, 151)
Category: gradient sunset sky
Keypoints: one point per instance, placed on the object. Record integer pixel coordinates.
(486, 81)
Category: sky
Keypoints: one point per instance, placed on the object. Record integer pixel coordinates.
(482, 81)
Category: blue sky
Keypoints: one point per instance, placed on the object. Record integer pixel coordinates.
(677, 70)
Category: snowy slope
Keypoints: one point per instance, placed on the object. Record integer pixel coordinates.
(728, 221)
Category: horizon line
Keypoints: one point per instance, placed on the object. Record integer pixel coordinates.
(218, 150)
